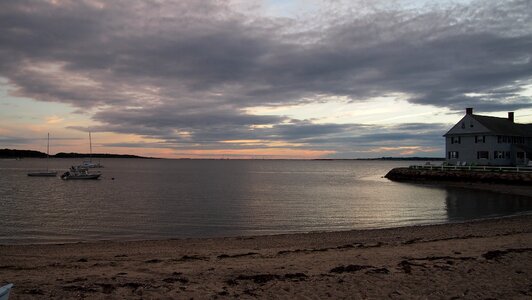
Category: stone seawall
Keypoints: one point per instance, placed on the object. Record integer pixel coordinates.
(408, 174)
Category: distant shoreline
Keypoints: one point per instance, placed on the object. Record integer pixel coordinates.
(15, 153)
(413, 158)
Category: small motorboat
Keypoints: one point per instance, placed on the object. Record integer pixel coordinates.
(79, 172)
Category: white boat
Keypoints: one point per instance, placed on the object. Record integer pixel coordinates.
(4, 291)
(90, 164)
(77, 173)
(46, 173)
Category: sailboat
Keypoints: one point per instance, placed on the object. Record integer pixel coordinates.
(89, 163)
(82, 171)
(46, 173)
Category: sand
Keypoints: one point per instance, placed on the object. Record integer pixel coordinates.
(482, 259)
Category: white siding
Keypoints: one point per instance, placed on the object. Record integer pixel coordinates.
(468, 125)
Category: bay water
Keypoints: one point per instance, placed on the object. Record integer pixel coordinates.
(139, 199)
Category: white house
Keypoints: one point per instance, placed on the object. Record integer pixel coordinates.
(484, 140)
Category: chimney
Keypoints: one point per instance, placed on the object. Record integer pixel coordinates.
(511, 116)
(469, 111)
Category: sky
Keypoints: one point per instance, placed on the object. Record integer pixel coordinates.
(258, 78)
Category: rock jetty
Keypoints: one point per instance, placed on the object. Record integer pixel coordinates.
(464, 175)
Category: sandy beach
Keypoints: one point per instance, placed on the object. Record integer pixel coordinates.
(482, 259)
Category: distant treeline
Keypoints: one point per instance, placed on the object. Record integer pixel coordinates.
(13, 153)
(96, 155)
(413, 158)
(391, 158)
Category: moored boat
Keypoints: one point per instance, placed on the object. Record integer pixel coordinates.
(46, 173)
(76, 173)
(89, 163)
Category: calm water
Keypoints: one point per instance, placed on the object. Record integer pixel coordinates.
(153, 199)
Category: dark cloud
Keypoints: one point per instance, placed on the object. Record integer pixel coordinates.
(12, 141)
(304, 135)
(185, 72)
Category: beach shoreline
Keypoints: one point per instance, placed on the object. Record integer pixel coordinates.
(477, 259)
(486, 258)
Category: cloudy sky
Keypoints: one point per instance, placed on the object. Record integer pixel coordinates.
(258, 79)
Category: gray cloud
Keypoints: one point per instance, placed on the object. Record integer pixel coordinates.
(344, 138)
(16, 142)
(11, 140)
(185, 72)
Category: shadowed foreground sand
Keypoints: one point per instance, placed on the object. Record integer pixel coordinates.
(485, 259)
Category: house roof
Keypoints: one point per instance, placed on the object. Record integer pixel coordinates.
(503, 126)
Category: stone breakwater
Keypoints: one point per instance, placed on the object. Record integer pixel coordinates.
(503, 177)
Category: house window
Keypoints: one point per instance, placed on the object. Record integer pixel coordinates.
(510, 139)
(498, 154)
(483, 155)
(452, 154)
(520, 155)
(480, 139)
(518, 140)
(455, 140)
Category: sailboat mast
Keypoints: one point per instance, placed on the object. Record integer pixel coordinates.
(90, 145)
(47, 152)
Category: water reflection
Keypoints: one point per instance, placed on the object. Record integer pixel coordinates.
(467, 204)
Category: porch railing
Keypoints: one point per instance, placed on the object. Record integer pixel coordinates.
(474, 168)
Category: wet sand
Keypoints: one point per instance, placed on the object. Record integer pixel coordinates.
(482, 259)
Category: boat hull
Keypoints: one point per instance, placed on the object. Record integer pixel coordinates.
(81, 177)
(4, 291)
(42, 174)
